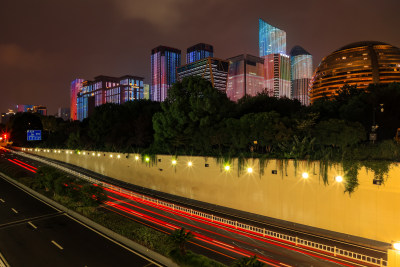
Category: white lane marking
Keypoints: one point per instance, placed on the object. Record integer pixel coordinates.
(2, 200)
(112, 240)
(14, 210)
(31, 224)
(57, 245)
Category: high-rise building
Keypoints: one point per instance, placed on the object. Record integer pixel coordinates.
(272, 47)
(277, 75)
(213, 69)
(199, 51)
(245, 76)
(164, 61)
(76, 87)
(271, 40)
(301, 71)
(64, 113)
(106, 89)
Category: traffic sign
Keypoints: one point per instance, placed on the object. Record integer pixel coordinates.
(33, 135)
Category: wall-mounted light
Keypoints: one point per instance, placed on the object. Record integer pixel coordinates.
(173, 162)
(339, 179)
(304, 175)
(190, 164)
(249, 169)
(136, 157)
(227, 167)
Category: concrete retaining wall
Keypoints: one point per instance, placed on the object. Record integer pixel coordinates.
(371, 212)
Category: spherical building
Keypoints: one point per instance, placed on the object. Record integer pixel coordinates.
(360, 64)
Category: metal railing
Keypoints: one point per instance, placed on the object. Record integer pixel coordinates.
(293, 240)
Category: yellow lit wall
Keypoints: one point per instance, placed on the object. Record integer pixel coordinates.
(371, 211)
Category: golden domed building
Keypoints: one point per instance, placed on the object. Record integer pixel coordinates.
(360, 64)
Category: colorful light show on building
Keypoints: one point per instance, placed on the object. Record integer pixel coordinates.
(301, 71)
(246, 76)
(164, 61)
(199, 51)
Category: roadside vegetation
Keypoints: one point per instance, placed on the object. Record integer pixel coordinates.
(197, 119)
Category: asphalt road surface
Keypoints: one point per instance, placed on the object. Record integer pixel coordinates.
(34, 234)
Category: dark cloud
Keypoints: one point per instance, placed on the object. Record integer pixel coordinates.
(45, 44)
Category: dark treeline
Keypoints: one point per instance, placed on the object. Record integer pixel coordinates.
(197, 119)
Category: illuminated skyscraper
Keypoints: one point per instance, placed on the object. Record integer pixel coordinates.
(245, 76)
(301, 73)
(272, 48)
(164, 61)
(277, 75)
(199, 51)
(271, 40)
(212, 69)
(76, 86)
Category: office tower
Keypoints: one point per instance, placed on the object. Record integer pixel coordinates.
(277, 75)
(212, 69)
(271, 40)
(76, 86)
(42, 110)
(245, 76)
(199, 51)
(272, 47)
(301, 72)
(164, 61)
(106, 89)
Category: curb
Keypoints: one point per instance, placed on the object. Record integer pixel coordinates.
(91, 224)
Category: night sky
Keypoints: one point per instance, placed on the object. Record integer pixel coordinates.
(44, 45)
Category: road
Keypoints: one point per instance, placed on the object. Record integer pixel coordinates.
(32, 233)
(219, 242)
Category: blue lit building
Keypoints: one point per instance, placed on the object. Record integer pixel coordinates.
(271, 40)
(106, 89)
(199, 51)
(301, 74)
(272, 48)
(164, 61)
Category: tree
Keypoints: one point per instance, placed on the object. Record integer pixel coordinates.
(180, 237)
(339, 133)
(190, 116)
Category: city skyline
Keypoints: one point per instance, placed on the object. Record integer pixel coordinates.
(51, 44)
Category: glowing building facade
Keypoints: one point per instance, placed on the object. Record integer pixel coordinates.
(164, 61)
(272, 48)
(212, 69)
(199, 51)
(277, 75)
(301, 73)
(271, 40)
(245, 76)
(106, 89)
(76, 87)
(359, 64)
